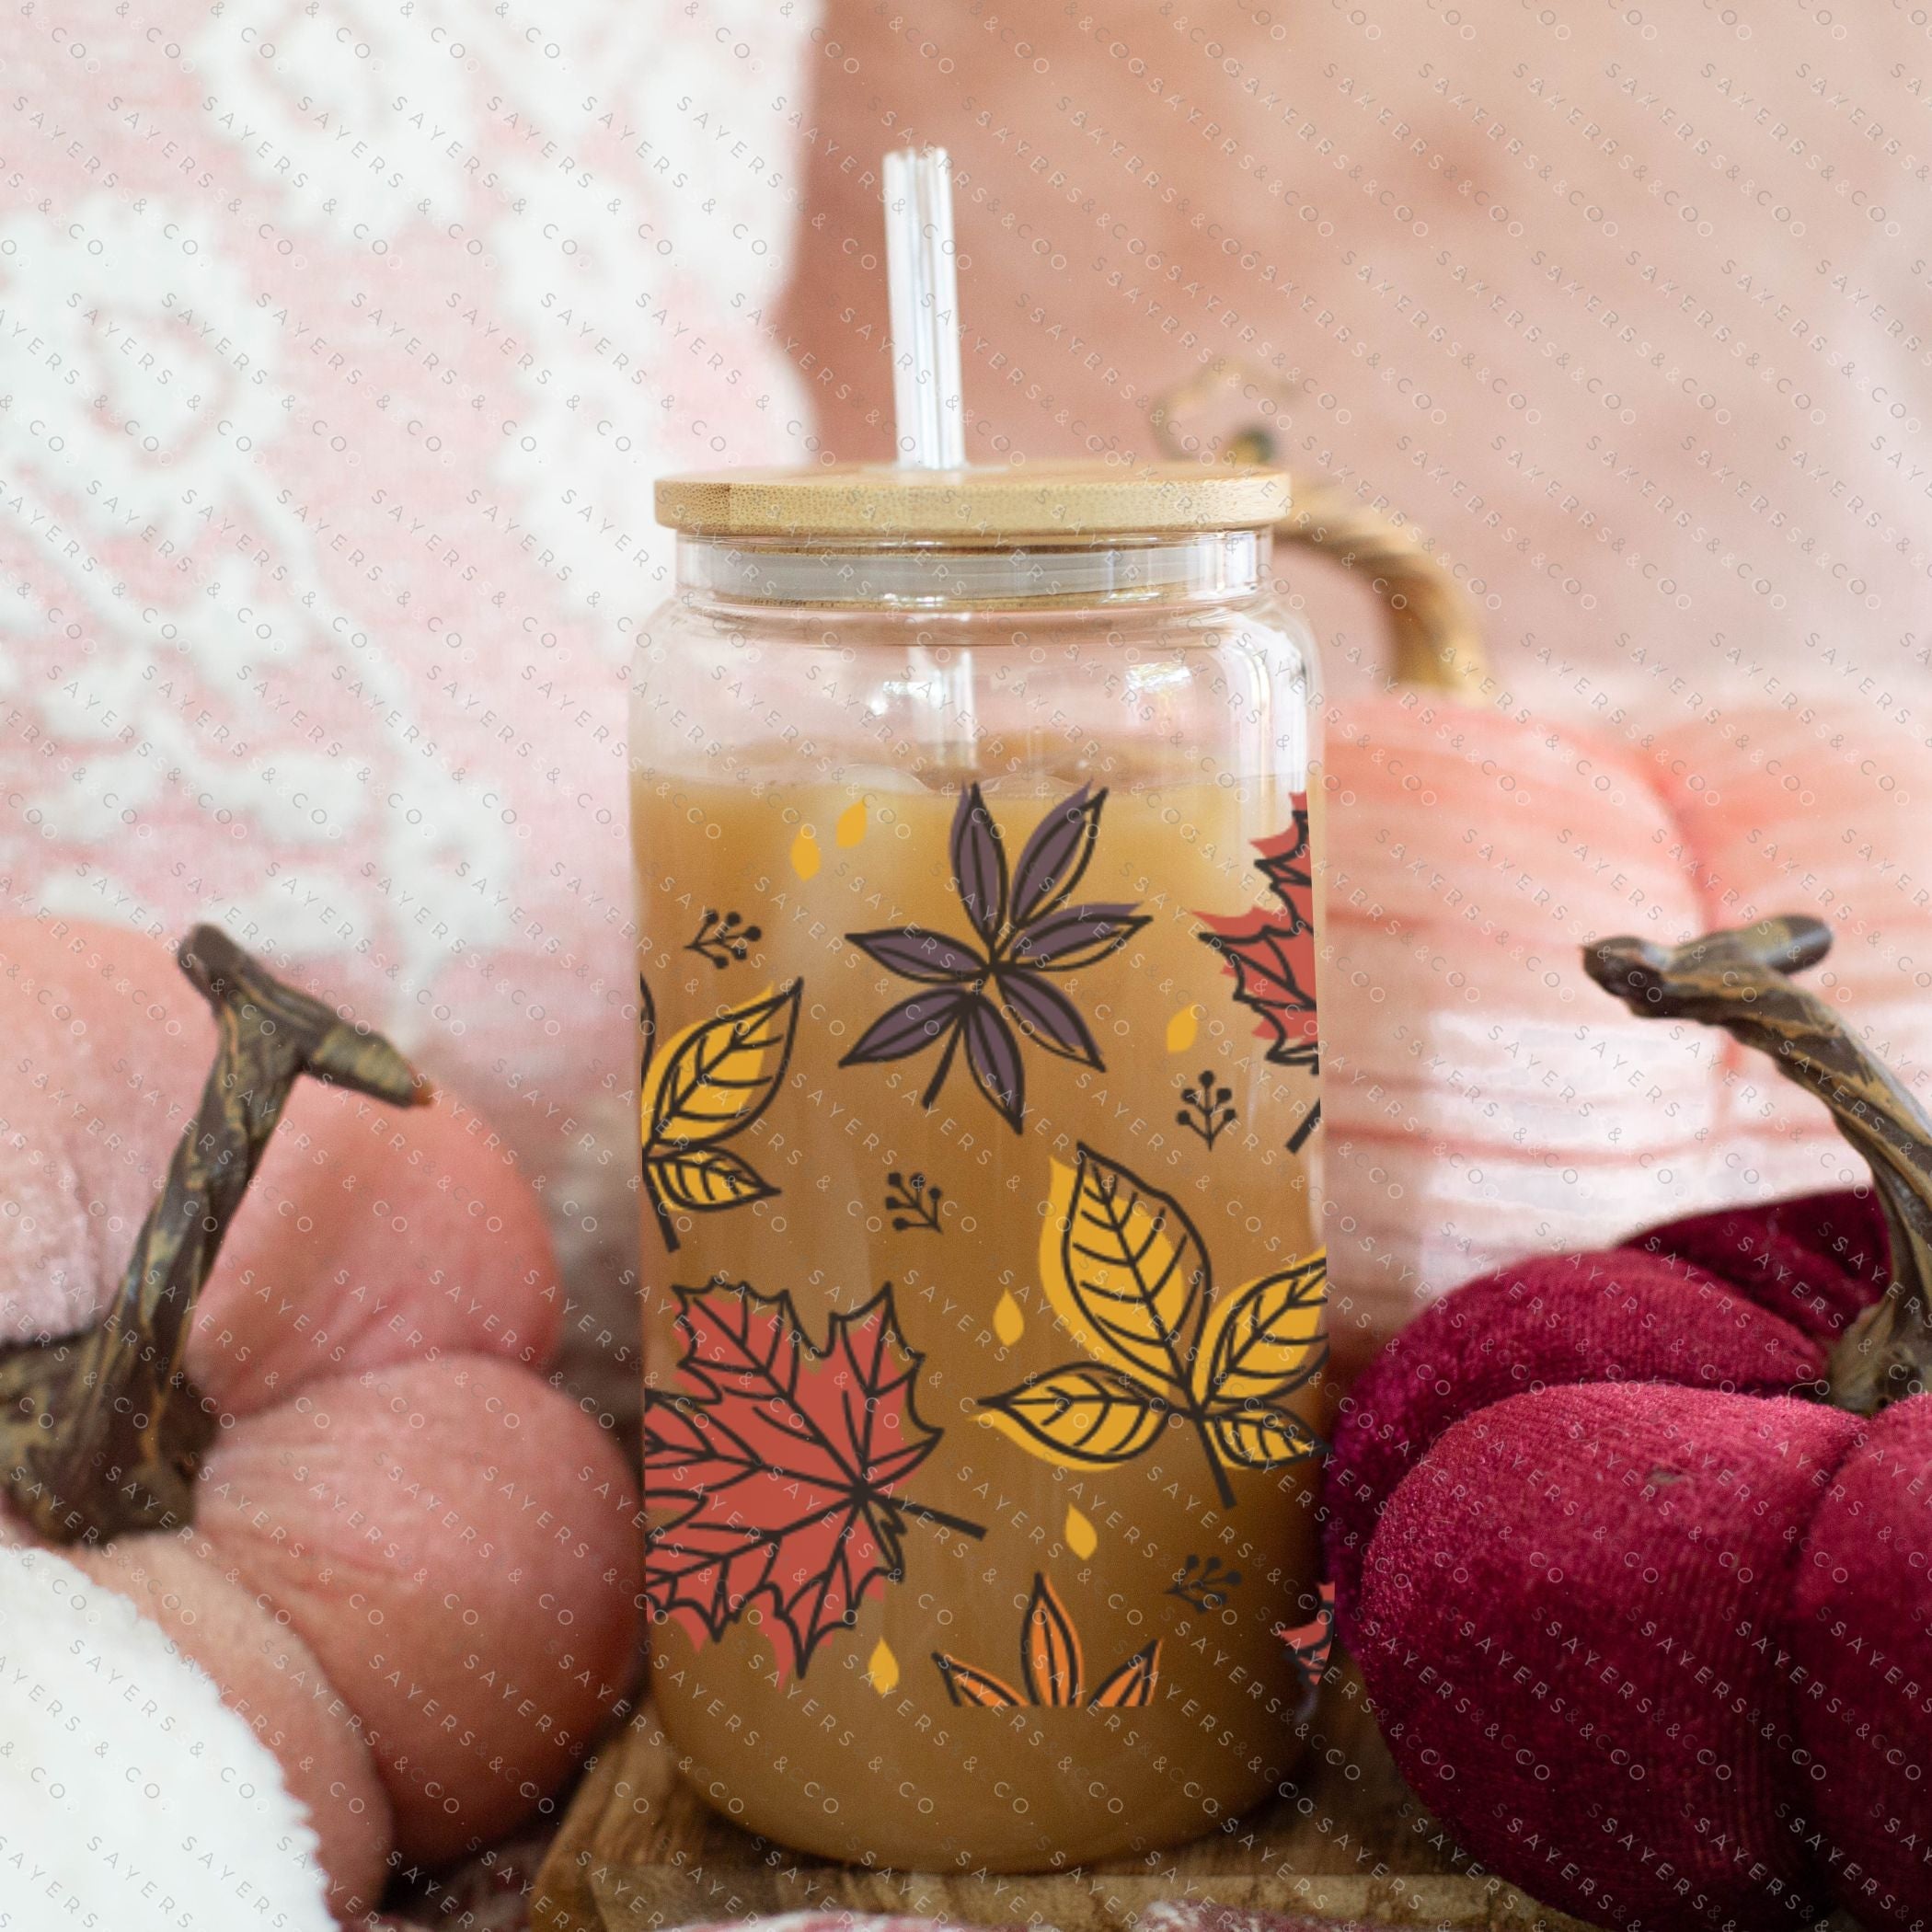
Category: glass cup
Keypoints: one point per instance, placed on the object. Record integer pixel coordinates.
(977, 902)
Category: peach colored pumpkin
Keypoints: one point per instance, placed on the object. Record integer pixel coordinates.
(1479, 1103)
(413, 1564)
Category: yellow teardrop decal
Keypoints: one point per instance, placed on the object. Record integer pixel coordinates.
(1080, 1537)
(1182, 1029)
(882, 1669)
(1008, 1323)
(805, 853)
(851, 826)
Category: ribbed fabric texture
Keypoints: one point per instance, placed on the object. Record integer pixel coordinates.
(1653, 1636)
(1619, 1315)
(1567, 1622)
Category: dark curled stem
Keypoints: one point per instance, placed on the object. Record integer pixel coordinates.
(1738, 980)
(103, 1432)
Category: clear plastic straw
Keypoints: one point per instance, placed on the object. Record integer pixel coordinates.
(924, 286)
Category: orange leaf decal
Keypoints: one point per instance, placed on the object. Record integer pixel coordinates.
(1049, 1648)
(968, 1686)
(1050, 1667)
(1132, 1687)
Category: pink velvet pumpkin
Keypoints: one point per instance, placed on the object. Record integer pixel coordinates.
(1480, 1103)
(413, 1563)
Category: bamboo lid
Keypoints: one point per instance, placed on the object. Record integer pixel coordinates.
(1042, 500)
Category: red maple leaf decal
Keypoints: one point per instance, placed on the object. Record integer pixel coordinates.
(1270, 951)
(776, 1476)
(1311, 1643)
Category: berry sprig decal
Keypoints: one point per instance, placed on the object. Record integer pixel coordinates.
(1129, 1277)
(979, 990)
(774, 1477)
(723, 939)
(913, 1203)
(1207, 1110)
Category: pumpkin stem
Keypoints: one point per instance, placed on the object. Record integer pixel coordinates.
(1737, 980)
(103, 1432)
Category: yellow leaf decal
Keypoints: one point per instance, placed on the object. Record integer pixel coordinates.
(1085, 1413)
(1182, 1029)
(882, 1669)
(700, 1179)
(1267, 1340)
(1124, 1269)
(710, 1082)
(851, 826)
(1080, 1537)
(1008, 1322)
(1128, 1275)
(716, 1076)
(1262, 1438)
(805, 853)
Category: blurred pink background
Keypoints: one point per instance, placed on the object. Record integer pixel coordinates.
(339, 349)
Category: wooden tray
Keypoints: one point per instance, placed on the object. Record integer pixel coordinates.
(639, 1853)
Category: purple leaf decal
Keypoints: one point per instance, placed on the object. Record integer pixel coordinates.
(1080, 936)
(993, 1054)
(1046, 1014)
(928, 958)
(1025, 928)
(1055, 855)
(979, 865)
(907, 1027)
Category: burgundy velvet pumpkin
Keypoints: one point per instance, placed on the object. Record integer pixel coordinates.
(1645, 1619)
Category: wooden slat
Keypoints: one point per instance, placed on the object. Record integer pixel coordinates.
(638, 1853)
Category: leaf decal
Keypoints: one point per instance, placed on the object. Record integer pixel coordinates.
(927, 959)
(1267, 1340)
(773, 1475)
(1050, 1667)
(718, 1074)
(993, 1054)
(1048, 1017)
(1123, 1264)
(706, 1179)
(969, 1687)
(1081, 936)
(911, 1026)
(985, 988)
(1132, 1687)
(1263, 1438)
(1084, 1414)
(1048, 1649)
(1270, 951)
(1080, 1535)
(1274, 976)
(979, 865)
(1056, 856)
(708, 1082)
(1128, 1275)
(1312, 1643)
